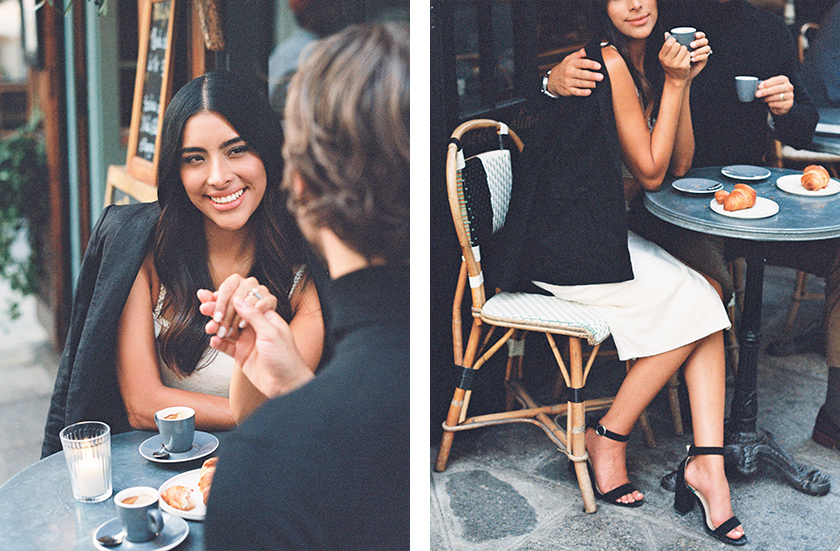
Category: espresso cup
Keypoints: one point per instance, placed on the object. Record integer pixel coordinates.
(139, 513)
(684, 35)
(177, 428)
(746, 86)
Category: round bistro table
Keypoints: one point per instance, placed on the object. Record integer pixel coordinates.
(38, 511)
(800, 218)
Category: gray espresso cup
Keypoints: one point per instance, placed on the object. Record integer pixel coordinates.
(177, 428)
(746, 86)
(139, 513)
(684, 35)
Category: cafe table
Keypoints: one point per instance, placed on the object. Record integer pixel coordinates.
(799, 218)
(38, 511)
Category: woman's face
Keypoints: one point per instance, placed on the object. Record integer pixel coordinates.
(633, 18)
(223, 177)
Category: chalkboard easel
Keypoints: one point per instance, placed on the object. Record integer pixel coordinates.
(152, 87)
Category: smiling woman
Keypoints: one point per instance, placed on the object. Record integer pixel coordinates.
(220, 212)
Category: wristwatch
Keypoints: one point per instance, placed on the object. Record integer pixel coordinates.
(545, 86)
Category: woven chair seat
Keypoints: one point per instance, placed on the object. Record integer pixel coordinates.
(546, 313)
(791, 154)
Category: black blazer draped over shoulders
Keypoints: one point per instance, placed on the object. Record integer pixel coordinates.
(86, 387)
(567, 221)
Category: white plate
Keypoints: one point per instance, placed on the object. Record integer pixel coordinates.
(203, 445)
(764, 208)
(175, 530)
(792, 183)
(190, 480)
(745, 172)
(696, 185)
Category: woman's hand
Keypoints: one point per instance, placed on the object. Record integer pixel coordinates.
(699, 54)
(218, 305)
(675, 60)
(266, 351)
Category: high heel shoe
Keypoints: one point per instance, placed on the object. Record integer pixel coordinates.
(685, 497)
(613, 495)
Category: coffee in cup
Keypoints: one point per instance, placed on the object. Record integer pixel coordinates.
(177, 428)
(684, 35)
(745, 86)
(139, 513)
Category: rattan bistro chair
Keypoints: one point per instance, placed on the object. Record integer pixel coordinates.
(479, 193)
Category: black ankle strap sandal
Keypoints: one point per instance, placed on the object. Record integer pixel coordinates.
(615, 494)
(686, 496)
(601, 430)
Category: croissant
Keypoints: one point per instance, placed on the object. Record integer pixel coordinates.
(815, 178)
(750, 191)
(206, 477)
(742, 197)
(178, 497)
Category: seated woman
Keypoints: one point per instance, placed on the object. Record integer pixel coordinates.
(137, 341)
(568, 236)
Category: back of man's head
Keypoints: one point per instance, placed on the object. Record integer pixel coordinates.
(347, 136)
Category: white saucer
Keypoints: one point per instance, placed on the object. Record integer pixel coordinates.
(190, 480)
(764, 208)
(696, 185)
(175, 530)
(203, 445)
(792, 183)
(745, 172)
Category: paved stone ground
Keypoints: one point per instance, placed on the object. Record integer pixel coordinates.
(28, 365)
(508, 488)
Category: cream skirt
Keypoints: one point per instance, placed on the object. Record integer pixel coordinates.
(665, 306)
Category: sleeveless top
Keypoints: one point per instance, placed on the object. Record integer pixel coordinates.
(214, 377)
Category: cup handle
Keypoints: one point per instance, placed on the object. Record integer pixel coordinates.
(155, 518)
(157, 423)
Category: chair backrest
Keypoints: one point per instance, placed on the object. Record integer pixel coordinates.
(479, 189)
(806, 33)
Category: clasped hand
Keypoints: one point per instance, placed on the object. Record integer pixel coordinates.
(245, 326)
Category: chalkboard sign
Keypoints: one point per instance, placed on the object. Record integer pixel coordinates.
(152, 87)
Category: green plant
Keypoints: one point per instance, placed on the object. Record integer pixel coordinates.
(23, 208)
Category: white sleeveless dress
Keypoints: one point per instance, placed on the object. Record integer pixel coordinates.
(214, 377)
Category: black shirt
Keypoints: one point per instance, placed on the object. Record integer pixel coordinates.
(744, 41)
(327, 465)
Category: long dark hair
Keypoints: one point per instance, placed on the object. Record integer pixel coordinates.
(180, 247)
(648, 84)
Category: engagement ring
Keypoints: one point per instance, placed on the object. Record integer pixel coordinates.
(256, 294)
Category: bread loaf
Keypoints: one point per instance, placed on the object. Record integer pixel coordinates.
(814, 178)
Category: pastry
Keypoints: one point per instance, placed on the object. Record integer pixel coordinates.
(815, 178)
(742, 197)
(178, 497)
(206, 477)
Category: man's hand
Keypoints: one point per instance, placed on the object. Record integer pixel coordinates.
(266, 351)
(574, 76)
(777, 93)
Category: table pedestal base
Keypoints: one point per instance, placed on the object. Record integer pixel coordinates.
(745, 451)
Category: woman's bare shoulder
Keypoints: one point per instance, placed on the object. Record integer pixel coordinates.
(612, 59)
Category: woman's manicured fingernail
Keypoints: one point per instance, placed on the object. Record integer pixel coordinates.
(222, 332)
(217, 317)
